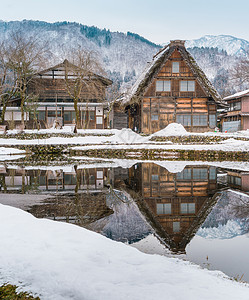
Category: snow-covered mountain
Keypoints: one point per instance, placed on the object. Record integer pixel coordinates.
(125, 55)
(231, 44)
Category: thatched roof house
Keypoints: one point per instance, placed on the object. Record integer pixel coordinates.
(172, 88)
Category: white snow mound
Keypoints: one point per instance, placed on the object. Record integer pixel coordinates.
(170, 130)
(63, 261)
(128, 136)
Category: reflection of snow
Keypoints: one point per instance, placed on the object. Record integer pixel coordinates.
(229, 230)
(126, 224)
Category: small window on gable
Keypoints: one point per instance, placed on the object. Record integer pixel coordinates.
(176, 227)
(163, 86)
(154, 177)
(154, 117)
(187, 86)
(175, 67)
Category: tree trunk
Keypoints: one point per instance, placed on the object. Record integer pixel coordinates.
(3, 112)
(77, 113)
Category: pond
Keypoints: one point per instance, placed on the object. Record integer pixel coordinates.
(198, 212)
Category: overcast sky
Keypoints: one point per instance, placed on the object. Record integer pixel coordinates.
(156, 20)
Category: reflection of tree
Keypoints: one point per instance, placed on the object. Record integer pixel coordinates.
(232, 205)
(241, 207)
(3, 184)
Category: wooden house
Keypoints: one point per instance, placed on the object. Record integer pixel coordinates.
(236, 116)
(94, 179)
(172, 88)
(55, 88)
(174, 204)
(238, 180)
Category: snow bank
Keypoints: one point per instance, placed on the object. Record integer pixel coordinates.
(173, 166)
(128, 136)
(171, 130)
(8, 151)
(63, 261)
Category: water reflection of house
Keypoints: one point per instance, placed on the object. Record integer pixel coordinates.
(53, 180)
(85, 206)
(81, 209)
(238, 180)
(174, 204)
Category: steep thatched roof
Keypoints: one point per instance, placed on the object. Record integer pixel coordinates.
(153, 68)
(185, 237)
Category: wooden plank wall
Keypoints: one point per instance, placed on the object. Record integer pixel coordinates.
(167, 108)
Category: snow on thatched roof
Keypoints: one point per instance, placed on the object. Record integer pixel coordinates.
(136, 92)
(237, 95)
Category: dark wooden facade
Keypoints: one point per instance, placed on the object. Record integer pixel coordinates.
(173, 89)
(119, 119)
(55, 87)
(236, 116)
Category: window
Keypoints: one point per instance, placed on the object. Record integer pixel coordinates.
(212, 173)
(185, 174)
(91, 180)
(212, 121)
(234, 180)
(83, 115)
(163, 86)
(154, 177)
(52, 113)
(200, 173)
(176, 227)
(99, 174)
(69, 116)
(235, 106)
(175, 67)
(187, 208)
(69, 179)
(187, 86)
(42, 180)
(154, 117)
(163, 208)
(185, 120)
(41, 115)
(91, 115)
(99, 120)
(199, 120)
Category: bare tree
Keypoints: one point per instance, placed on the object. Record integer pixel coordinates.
(31, 107)
(27, 55)
(7, 80)
(241, 72)
(83, 76)
(113, 95)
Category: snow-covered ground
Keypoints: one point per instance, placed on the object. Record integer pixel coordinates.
(128, 139)
(11, 154)
(171, 166)
(63, 261)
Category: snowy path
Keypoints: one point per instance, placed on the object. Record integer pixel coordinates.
(63, 261)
